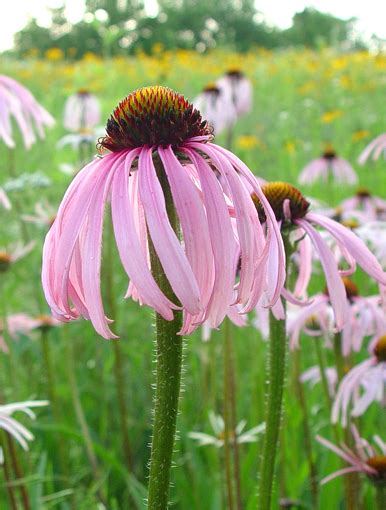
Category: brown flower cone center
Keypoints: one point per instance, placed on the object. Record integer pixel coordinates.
(378, 462)
(5, 261)
(380, 349)
(329, 153)
(276, 194)
(350, 287)
(363, 193)
(153, 116)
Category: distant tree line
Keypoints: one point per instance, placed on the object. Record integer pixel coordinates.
(113, 27)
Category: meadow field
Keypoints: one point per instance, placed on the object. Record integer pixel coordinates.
(91, 446)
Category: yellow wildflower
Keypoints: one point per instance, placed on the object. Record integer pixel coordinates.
(330, 116)
(54, 54)
(360, 134)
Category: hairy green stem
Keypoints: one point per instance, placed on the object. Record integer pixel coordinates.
(276, 368)
(276, 376)
(168, 379)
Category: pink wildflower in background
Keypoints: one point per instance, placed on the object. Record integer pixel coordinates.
(4, 200)
(362, 385)
(365, 318)
(151, 126)
(81, 111)
(23, 324)
(235, 85)
(364, 458)
(372, 207)
(313, 376)
(329, 165)
(216, 107)
(18, 102)
(14, 253)
(376, 147)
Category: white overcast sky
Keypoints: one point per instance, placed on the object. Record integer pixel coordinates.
(371, 13)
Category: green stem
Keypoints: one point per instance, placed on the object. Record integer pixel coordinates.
(80, 415)
(15, 199)
(306, 431)
(227, 421)
(52, 396)
(120, 383)
(352, 481)
(18, 473)
(326, 391)
(276, 376)
(7, 476)
(168, 379)
(380, 496)
(276, 367)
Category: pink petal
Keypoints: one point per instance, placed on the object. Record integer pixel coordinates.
(336, 289)
(168, 248)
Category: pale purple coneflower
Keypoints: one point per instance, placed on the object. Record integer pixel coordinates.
(16, 101)
(313, 376)
(216, 107)
(44, 215)
(376, 147)
(13, 253)
(362, 385)
(374, 234)
(292, 214)
(156, 135)
(12, 426)
(329, 165)
(4, 200)
(362, 459)
(238, 88)
(23, 324)
(373, 207)
(81, 111)
(365, 318)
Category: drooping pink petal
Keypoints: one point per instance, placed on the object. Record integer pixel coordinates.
(222, 240)
(336, 289)
(193, 221)
(353, 244)
(129, 247)
(166, 243)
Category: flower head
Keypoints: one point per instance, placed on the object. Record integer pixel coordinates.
(238, 88)
(328, 165)
(18, 102)
(292, 213)
(12, 426)
(13, 253)
(364, 458)
(363, 384)
(81, 111)
(372, 207)
(160, 145)
(217, 423)
(216, 107)
(376, 148)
